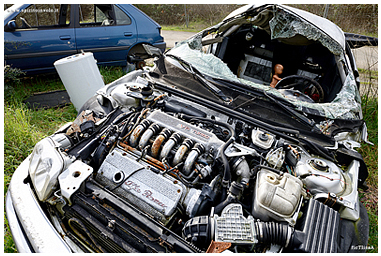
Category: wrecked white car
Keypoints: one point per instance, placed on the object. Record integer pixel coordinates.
(239, 139)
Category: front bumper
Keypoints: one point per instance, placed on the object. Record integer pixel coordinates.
(30, 227)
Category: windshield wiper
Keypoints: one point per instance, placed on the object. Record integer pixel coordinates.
(296, 115)
(200, 77)
(299, 117)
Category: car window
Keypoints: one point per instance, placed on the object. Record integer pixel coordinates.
(121, 17)
(44, 16)
(96, 15)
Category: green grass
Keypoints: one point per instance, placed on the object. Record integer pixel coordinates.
(23, 128)
(192, 27)
(370, 154)
(111, 73)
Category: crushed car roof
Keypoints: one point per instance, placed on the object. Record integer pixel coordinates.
(327, 27)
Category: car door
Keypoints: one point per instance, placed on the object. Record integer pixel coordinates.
(105, 30)
(44, 33)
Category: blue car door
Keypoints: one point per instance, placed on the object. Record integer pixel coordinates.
(44, 33)
(105, 30)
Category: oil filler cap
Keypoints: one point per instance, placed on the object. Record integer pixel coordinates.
(263, 137)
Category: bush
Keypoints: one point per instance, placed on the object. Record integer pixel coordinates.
(12, 75)
(174, 14)
(353, 18)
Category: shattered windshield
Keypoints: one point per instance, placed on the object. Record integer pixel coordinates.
(345, 105)
(283, 26)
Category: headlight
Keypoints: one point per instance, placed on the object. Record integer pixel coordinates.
(46, 163)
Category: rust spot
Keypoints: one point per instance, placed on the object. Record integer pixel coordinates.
(183, 149)
(155, 162)
(81, 118)
(137, 132)
(151, 160)
(156, 145)
(218, 247)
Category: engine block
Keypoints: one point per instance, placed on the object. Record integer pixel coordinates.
(151, 192)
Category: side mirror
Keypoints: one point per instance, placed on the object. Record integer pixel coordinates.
(11, 26)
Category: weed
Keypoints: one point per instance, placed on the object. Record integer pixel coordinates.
(370, 154)
(12, 75)
(110, 74)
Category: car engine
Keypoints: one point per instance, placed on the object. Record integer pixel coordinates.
(186, 172)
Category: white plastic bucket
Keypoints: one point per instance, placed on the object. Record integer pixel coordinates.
(81, 77)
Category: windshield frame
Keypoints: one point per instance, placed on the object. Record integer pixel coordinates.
(346, 104)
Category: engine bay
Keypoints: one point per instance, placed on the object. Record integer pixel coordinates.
(198, 175)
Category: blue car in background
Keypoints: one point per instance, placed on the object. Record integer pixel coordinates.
(36, 35)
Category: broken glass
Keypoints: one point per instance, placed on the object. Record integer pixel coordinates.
(283, 25)
(346, 105)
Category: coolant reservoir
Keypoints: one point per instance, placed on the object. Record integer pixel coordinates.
(81, 77)
(277, 196)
